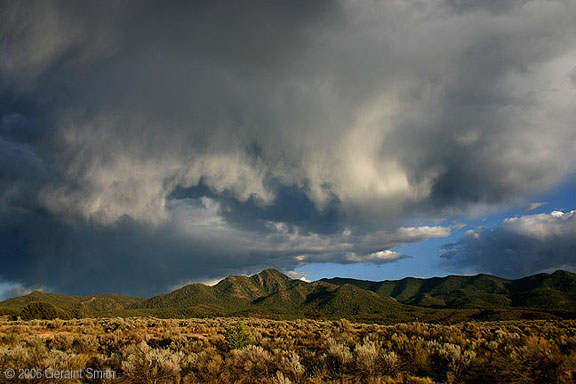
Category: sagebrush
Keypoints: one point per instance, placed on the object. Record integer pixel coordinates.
(248, 350)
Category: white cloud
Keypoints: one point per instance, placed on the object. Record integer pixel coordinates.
(209, 281)
(11, 289)
(404, 235)
(536, 205)
(543, 226)
(379, 257)
(203, 221)
(298, 275)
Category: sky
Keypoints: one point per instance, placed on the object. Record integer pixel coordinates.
(145, 145)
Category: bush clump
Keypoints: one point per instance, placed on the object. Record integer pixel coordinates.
(238, 337)
(39, 310)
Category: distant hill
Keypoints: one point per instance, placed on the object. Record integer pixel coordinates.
(75, 305)
(542, 291)
(271, 293)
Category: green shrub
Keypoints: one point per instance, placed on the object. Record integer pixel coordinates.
(11, 313)
(238, 337)
(39, 310)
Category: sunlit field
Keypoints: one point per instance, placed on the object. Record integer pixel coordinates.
(235, 350)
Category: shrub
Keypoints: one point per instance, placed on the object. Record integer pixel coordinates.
(457, 360)
(339, 356)
(85, 344)
(39, 310)
(238, 337)
(145, 365)
(544, 360)
(253, 360)
(281, 379)
(367, 357)
(208, 365)
(389, 363)
(290, 365)
(62, 342)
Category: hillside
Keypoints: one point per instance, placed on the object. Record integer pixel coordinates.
(542, 291)
(274, 292)
(77, 305)
(271, 293)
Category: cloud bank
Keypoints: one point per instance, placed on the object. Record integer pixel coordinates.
(201, 138)
(521, 246)
(196, 244)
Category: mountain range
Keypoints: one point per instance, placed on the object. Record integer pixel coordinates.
(271, 293)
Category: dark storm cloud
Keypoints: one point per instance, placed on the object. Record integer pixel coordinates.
(521, 246)
(325, 98)
(22, 169)
(573, 76)
(191, 139)
(75, 256)
(80, 258)
(495, 6)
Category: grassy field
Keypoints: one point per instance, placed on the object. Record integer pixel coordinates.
(247, 350)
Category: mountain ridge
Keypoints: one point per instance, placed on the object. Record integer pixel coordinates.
(543, 291)
(271, 292)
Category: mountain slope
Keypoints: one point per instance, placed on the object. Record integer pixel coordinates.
(557, 290)
(272, 291)
(231, 294)
(94, 304)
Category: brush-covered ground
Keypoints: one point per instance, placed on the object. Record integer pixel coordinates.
(248, 350)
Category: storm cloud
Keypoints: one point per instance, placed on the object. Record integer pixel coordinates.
(195, 139)
(521, 246)
(197, 243)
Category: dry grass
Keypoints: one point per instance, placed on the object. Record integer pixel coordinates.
(148, 350)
